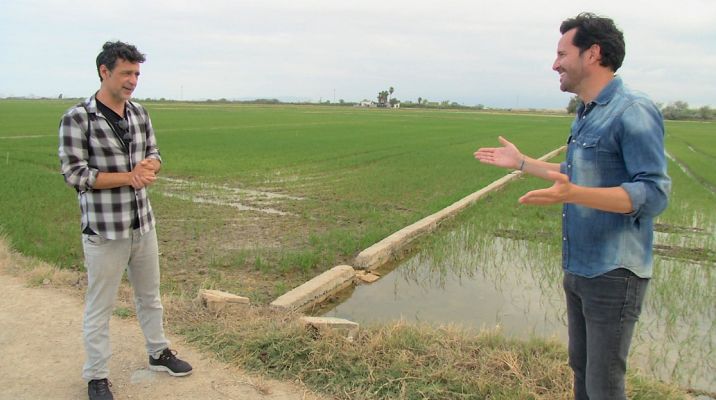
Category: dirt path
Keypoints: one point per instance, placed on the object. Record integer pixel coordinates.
(41, 355)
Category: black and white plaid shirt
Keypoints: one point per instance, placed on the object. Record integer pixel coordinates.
(83, 154)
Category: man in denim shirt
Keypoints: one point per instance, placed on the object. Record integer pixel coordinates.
(612, 185)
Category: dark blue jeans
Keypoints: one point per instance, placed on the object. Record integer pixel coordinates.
(601, 314)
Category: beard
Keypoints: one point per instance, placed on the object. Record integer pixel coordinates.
(566, 84)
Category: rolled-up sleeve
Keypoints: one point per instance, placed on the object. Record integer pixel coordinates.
(73, 151)
(642, 137)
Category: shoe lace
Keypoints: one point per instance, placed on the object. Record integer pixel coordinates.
(168, 354)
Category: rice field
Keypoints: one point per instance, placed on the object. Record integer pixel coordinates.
(256, 199)
(274, 190)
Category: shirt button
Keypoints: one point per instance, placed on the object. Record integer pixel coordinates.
(564, 238)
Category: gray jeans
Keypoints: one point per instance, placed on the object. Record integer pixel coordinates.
(602, 312)
(105, 261)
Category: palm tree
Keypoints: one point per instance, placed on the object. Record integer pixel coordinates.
(383, 97)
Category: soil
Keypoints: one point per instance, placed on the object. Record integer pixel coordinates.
(42, 354)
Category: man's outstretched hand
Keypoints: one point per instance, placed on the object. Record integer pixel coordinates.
(507, 156)
(558, 193)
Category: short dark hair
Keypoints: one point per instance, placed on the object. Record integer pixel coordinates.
(111, 51)
(593, 29)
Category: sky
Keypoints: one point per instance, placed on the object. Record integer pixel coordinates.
(497, 53)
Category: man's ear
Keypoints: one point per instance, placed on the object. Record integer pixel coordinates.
(104, 72)
(595, 53)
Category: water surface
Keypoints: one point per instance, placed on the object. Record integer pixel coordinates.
(482, 281)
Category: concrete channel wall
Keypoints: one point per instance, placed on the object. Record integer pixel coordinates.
(317, 289)
(340, 277)
(391, 247)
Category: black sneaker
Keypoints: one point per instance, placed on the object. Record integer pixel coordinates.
(98, 389)
(169, 362)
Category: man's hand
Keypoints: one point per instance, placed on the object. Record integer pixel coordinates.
(144, 173)
(507, 156)
(152, 163)
(610, 199)
(558, 193)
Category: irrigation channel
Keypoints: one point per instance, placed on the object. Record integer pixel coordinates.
(482, 281)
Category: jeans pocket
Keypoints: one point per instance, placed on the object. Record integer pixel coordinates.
(93, 240)
(605, 298)
(635, 297)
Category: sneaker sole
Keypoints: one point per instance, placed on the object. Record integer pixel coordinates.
(161, 368)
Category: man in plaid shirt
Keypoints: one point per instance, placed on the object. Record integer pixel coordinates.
(108, 153)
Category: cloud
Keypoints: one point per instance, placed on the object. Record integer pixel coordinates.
(497, 55)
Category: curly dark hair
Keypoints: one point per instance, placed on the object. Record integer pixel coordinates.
(111, 51)
(593, 29)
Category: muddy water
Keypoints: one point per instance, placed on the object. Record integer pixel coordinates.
(455, 290)
(513, 285)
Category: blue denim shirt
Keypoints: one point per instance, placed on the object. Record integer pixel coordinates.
(616, 140)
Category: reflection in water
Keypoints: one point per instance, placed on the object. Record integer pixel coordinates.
(484, 281)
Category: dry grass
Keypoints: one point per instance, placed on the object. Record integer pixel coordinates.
(37, 272)
(393, 361)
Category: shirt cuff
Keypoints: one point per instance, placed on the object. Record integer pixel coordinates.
(637, 194)
(92, 178)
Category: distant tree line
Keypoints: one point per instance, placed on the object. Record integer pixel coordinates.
(678, 110)
(425, 103)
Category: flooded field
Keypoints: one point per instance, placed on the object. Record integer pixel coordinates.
(484, 281)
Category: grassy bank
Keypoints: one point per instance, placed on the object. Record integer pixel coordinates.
(390, 361)
(397, 360)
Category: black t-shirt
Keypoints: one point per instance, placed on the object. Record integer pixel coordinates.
(113, 118)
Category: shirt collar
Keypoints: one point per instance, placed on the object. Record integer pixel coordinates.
(609, 91)
(604, 97)
(91, 105)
